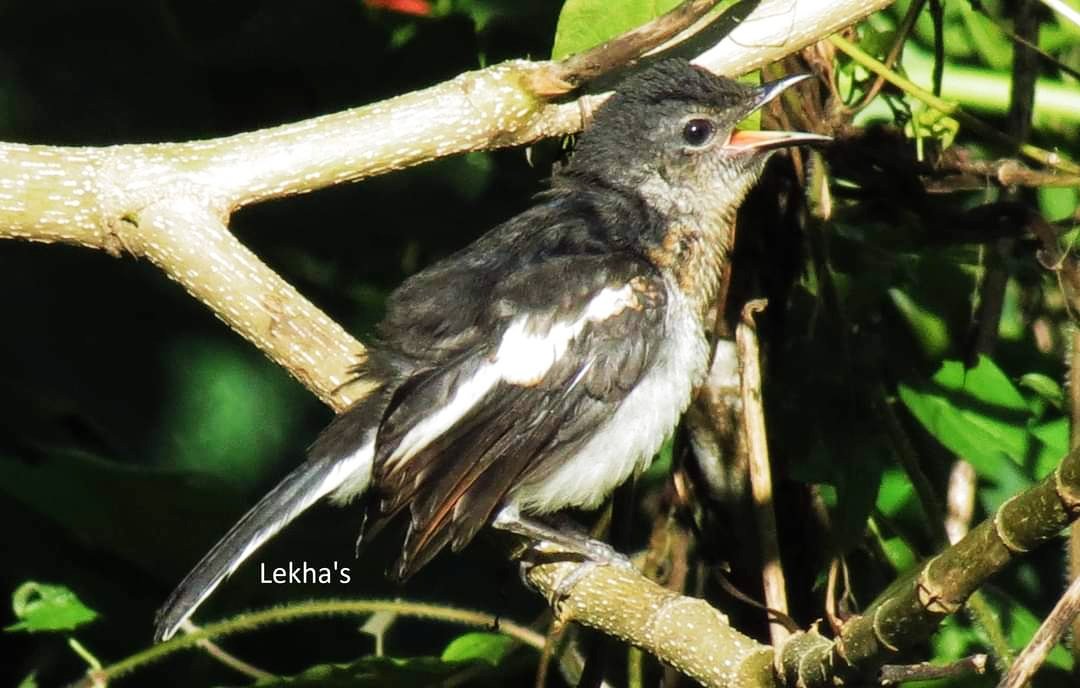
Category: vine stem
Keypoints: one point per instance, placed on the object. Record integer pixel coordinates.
(1045, 157)
(333, 607)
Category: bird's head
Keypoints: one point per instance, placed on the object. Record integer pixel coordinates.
(670, 133)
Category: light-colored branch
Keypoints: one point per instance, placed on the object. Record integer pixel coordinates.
(753, 418)
(777, 28)
(196, 249)
(681, 631)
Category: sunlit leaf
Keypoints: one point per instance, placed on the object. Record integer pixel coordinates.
(1045, 386)
(44, 607)
(585, 23)
(929, 328)
(485, 647)
(895, 492)
(1054, 435)
(979, 414)
(1058, 202)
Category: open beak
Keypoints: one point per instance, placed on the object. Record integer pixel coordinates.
(746, 140)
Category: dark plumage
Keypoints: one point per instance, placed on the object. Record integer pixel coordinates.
(541, 366)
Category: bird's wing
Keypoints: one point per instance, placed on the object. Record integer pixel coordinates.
(455, 305)
(568, 336)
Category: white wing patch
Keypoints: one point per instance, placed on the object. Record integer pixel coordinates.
(524, 356)
(466, 396)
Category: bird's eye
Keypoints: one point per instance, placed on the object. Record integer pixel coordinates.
(698, 132)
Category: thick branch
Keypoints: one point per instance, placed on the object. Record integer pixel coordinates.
(199, 252)
(681, 631)
(911, 609)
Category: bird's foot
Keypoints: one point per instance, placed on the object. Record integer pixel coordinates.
(549, 542)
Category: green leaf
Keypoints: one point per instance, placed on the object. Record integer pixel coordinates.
(585, 23)
(979, 414)
(1054, 435)
(986, 38)
(43, 607)
(851, 492)
(483, 647)
(900, 556)
(30, 681)
(1020, 624)
(1045, 386)
(1058, 202)
(660, 468)
(895, 492)
(928, 328)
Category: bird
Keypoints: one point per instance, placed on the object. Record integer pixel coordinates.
(541, 366)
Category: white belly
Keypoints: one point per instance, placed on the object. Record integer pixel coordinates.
(630, 438)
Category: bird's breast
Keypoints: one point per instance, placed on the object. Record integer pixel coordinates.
(634, 433)
(693, 256)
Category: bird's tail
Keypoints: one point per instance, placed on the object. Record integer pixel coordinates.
(340, 463)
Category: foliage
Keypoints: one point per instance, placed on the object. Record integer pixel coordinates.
(42, 607)
(135, 428)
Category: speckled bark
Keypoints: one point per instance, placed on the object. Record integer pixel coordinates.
(911, 609)
(681, 631)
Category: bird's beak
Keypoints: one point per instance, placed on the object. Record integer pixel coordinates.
(748, 140)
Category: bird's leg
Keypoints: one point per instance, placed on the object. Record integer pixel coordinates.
(569, 539)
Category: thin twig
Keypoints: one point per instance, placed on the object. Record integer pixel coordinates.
(229, 660)
(832, 606)
(961, 173)
(753, 419)
(300, 610)
(1045, 638)
(625, 49)
(1032, 46)
(902, 33)
(893, 674)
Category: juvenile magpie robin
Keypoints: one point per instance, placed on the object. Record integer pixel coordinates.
(538, 368)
